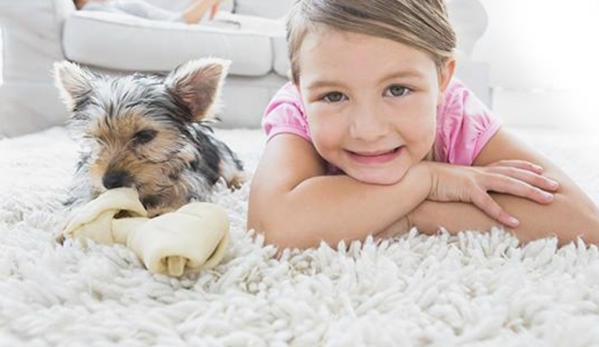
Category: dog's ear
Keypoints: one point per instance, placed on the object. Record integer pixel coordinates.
(73, 82)
(198, 85)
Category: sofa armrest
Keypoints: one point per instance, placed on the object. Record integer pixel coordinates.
(469, 19)
(31, 44)
(32, 36)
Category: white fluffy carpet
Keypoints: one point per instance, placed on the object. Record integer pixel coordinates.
(474, 289)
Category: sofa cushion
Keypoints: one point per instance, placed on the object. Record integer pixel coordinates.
(122, 42)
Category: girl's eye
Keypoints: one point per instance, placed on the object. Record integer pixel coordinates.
(144, 136)
(334, 97)
(397, 90)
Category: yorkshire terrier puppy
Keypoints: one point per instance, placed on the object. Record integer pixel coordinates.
(150, 132)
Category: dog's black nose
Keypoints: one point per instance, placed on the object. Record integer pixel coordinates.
(116, 179)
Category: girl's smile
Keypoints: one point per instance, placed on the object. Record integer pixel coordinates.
(373, 158)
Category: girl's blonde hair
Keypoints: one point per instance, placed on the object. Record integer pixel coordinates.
(422, 24)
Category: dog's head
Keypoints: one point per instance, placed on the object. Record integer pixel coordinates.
(136, 129)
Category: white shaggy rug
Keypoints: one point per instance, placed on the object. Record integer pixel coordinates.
(474, 289)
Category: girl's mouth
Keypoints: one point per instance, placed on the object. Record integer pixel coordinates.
(376, 157)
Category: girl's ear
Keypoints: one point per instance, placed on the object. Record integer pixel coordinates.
(445, 76)
(447, 72)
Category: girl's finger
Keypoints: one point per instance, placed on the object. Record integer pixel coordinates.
(489, 206)
(508, 185)
(520, 164)
(531, 178)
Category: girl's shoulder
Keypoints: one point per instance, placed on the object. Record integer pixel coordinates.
(288, 92)
(285, 114)
(464, 125)
(286, 95)
(460, 102)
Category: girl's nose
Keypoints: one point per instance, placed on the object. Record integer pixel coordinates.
(368, 124)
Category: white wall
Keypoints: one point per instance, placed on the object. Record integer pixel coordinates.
(544, 62)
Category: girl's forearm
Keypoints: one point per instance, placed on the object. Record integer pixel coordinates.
(335, 208)
(430, 216)
(565, 218)
(571, 213)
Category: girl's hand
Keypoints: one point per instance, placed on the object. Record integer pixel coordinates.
(472, 184)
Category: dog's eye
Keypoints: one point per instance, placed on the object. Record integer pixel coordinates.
(144, 136)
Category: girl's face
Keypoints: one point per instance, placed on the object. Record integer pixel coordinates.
(371, 103)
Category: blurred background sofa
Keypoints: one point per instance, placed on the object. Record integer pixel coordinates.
(36, 33)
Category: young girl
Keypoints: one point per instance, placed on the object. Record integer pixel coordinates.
(375, 136)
